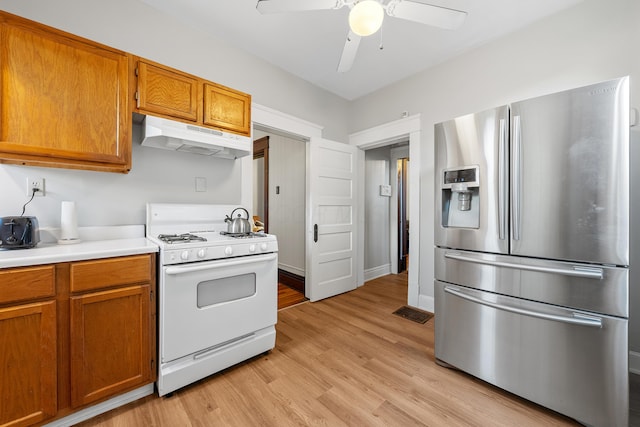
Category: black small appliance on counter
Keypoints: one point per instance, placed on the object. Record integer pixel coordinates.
(19, 232)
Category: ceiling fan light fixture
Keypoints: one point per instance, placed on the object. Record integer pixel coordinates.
(365, 18)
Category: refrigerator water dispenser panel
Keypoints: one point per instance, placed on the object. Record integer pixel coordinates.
(461, 197)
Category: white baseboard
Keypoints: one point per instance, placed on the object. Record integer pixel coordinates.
(103, 407)
(375, 272)
(634, 362)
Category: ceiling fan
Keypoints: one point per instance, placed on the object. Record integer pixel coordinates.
(366, 16)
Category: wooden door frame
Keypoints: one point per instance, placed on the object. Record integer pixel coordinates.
(261, 150)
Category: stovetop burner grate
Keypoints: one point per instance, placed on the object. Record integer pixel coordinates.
(180, 238)
(249, 235)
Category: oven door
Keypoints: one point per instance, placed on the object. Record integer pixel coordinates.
(206, 305)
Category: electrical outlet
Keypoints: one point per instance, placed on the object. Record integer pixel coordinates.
(35, 183)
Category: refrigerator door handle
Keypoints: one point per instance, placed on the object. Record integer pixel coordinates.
(502, 181)
(576, 319)
(576, 271)
(517, 176)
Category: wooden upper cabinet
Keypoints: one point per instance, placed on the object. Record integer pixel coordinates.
(227, 109)
(64, 100)
(166, 92)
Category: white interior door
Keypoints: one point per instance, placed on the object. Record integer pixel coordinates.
(331, 228)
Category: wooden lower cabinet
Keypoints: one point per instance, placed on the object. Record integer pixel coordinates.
(109, 343)
(28, 382)
(74, 334)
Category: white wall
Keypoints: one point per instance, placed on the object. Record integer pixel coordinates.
(376, 216)
(594, 41)
(287, 170)
(159, 176)
(118, 199)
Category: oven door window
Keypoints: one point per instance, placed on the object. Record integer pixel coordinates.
(225, 289)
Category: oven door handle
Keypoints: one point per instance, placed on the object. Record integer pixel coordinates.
(182, 269)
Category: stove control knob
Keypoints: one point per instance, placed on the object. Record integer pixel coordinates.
(228, 251)
(252, 248)
(202, 253)
(263, 246)
(184, 255)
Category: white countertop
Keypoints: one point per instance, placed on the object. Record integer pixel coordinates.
(97, 242)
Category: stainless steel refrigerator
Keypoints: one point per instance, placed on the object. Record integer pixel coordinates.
(532, 249)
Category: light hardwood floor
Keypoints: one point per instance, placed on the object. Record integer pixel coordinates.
(344, 361)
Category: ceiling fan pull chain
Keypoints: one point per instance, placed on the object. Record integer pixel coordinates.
(381, 45)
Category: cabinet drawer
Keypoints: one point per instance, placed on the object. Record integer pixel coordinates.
(103, 273)
(18, 284)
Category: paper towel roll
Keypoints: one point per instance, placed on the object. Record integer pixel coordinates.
(68, 223)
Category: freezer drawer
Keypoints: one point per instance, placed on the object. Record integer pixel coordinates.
(595, 288)
(575, 363)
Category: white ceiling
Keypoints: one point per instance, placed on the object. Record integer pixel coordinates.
(309, 44)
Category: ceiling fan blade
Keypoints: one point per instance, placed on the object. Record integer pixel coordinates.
(428, 14)
(349, 52)
(277, 6)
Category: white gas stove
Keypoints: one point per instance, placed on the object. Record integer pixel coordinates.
(191, 233)
(218, 293)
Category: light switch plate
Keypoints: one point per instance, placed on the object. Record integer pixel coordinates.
(385, 190)
(201, 184)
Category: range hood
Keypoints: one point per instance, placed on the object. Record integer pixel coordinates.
(178, 136)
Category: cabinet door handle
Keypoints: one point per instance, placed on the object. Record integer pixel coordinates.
(315, 232)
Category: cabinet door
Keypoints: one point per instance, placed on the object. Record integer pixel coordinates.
(64, 100)
(28, 382)
(110, 343)
(167, 92)
(227, 109)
